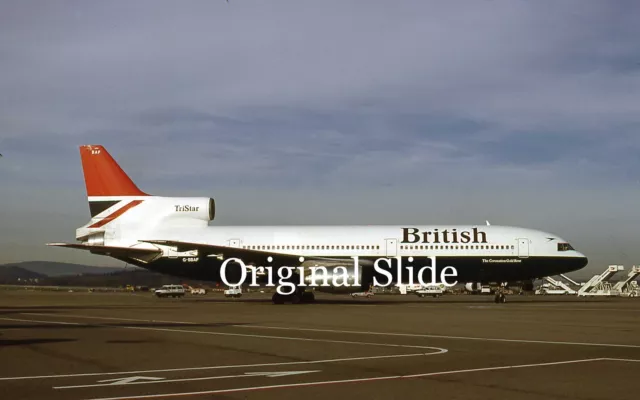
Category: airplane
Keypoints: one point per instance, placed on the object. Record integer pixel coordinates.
(173, 236)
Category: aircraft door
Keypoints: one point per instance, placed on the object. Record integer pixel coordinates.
(523, 247)
(234, 243)
(392, 247)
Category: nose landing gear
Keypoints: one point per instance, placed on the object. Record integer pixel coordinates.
(500, 297)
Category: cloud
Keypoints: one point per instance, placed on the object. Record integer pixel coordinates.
(346, 101)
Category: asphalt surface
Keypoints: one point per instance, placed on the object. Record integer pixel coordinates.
(133, 345)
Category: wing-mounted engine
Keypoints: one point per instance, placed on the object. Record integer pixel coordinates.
(473, 287)
(363, 276)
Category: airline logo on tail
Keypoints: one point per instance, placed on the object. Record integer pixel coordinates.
(116, 214)
(103, 176)
(107, 184)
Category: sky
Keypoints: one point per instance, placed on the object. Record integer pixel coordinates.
(523, 113)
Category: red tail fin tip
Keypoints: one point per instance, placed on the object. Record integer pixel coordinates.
(103, 176)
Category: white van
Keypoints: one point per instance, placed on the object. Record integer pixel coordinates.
(233, 291)
(431, 290)
(170, 291)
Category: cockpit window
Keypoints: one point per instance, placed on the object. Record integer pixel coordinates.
(564, 247)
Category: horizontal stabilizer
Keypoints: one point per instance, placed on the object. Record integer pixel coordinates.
(110, 250)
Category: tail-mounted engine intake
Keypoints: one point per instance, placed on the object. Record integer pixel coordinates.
(200, 208)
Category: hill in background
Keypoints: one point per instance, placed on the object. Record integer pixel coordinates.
(52, 269)
(44, 273)
(12, 273)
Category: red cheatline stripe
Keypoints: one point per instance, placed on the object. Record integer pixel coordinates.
(116, 214)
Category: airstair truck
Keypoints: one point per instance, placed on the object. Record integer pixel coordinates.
(599, 285)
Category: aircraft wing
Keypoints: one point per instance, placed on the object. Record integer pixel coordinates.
(247, 256)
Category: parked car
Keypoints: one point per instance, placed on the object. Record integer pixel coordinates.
(170, 291)
(233, 291)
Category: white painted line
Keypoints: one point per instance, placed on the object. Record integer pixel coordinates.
(583, 309)
(151, 381)
(379, 378)
(548, 308)
(40, 322)
(112, 318)
(438, 349)
(547, 364)
(419, 335)
(130, 379)
(330, 360)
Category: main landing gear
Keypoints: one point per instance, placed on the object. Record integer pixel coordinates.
(500, 297)
(299, 296)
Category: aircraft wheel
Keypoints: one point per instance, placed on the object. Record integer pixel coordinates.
(308, 297)
(277, 298)
(295, 299)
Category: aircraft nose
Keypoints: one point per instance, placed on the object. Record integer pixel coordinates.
(581, 261)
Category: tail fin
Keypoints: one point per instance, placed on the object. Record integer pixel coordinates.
(103, 177)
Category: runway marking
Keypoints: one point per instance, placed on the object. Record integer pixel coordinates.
(330, 360)
(633, 346)
(363, 333)
(356, 380)
(40, 322)
(436, 350)
(153, 380)
(550, 308)
(440, 350)
(111, 318)
(143, 328)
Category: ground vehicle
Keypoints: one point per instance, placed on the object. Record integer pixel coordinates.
(435, 291)
(233, 291)
(170, 291)
(198, 291)
(362, 294)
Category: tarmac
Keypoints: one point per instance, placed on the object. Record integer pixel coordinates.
(132, 345)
